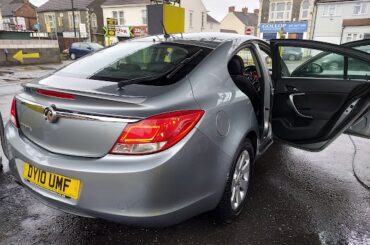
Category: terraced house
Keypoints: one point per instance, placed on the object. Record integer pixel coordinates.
(81, 21)
(291, 18)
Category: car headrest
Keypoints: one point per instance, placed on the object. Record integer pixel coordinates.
(129, 67)
(236, 65)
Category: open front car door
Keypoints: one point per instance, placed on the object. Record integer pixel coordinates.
(321, 95)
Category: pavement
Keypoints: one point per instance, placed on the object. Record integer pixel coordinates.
(296, 197)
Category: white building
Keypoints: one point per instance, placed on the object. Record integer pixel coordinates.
(133, 13)
(1, 22)
(341, 21)
(212, 25)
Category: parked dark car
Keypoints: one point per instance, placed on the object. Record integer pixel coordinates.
(292, 53)
(80, 49)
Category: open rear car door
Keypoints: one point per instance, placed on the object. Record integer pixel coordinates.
(320, 96)
(362, 126)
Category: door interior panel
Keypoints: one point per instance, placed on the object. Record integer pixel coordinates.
(316, 101)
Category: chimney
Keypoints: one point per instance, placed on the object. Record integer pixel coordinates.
(231, 9)
(245, 10)
(257, 11)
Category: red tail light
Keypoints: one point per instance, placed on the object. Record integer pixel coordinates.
(55, 94)
(156, 133)
(13, 113)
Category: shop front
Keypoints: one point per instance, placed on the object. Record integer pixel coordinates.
(291, 30)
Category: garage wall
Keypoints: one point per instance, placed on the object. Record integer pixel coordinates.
(48, 51)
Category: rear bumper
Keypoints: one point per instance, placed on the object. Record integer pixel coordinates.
(155, 190)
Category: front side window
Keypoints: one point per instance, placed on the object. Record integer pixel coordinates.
(133, 60)
(319, 64)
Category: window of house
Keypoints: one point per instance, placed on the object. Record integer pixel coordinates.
(191, 19)
(351, 37)
(329, 10)
(50, 20)
(305, 5)
(202, 20)
(360, 8)
(144, 16)
(94, 21)
(77, 18)
(121, 18)
(280, 11)
(115, 15)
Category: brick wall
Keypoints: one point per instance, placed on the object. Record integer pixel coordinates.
(29, 13)
(48, 51)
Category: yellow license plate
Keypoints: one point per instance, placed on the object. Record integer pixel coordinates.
(60, 184)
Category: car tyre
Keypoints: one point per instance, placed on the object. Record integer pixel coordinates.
(228, 209)
(73, 56)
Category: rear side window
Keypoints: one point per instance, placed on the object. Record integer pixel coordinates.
(318, 64)
(135, 60)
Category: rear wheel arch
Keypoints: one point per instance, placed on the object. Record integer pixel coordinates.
(252, 136)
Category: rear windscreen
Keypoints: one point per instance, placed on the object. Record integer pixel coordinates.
(133, 60)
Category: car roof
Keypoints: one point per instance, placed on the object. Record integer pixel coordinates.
(206, 39)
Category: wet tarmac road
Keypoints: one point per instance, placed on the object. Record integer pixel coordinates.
(296, 198)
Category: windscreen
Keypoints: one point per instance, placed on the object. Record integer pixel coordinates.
(132, 60)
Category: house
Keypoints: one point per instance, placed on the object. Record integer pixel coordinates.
(212, 24)
(289, 18)
(82, 21)
(133, 14)
(342, 21)
(195, 16)
(240, 22)
(18, 15)
(1, 21)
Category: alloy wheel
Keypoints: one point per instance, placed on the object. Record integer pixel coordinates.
(240, 181)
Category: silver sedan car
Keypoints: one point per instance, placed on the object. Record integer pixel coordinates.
(153, 131)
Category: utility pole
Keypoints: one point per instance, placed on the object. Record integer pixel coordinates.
(73, 17)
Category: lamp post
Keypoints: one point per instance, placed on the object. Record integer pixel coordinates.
(73, 18)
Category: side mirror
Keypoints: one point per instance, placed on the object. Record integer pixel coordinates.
(314, 68)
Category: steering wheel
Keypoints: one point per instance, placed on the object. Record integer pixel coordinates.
(252, 74)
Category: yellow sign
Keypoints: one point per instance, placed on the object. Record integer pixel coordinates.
(173, 19)
(60, 184)
(111, 26)
(20, 56)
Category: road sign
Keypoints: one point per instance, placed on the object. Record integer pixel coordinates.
(249, 30)
(20, 56)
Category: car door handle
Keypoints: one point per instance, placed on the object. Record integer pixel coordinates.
(291, 99)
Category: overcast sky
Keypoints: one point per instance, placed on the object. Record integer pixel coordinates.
(217, 8)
